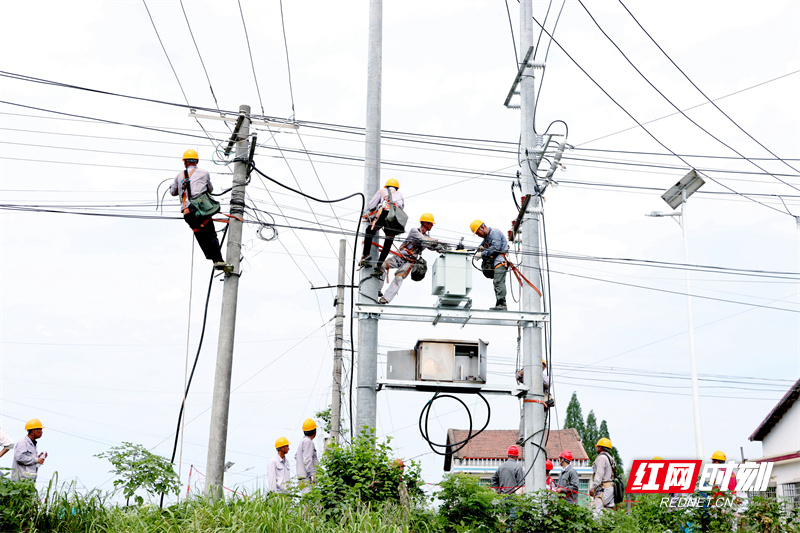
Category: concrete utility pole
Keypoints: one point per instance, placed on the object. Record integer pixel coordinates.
(369, 285)
(217, 439)
(336, 400)
(533, 408)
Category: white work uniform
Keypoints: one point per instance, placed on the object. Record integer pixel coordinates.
(278, 475)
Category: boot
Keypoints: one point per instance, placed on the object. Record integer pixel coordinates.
(499, 306)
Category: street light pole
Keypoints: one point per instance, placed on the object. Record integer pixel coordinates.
(680, 193)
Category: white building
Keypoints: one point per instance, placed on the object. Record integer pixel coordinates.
(779, 434)
(484, 453)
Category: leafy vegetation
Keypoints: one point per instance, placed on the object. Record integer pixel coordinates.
(138, 468)
(360, 490)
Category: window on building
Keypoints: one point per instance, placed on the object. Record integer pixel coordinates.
(791, 492)
(583, 485)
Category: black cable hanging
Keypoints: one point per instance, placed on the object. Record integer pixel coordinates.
(453, 446)
(194, 365)
(352, 274)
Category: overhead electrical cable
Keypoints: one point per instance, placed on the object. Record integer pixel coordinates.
(642, 126)
(690, 108)
(250, 53)
(687, 117)
(171, 66)
(677, 292)
(709, 100)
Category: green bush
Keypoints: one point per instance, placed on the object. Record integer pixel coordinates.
(468, 504)
(768, 515)
(18, 504)
(363, 474)
(138, 468)
(544, 511)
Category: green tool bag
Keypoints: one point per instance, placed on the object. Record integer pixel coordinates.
(204, 205)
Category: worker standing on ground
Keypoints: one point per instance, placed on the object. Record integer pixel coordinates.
(719, 458)
(408, 254)
(509, 475)
(6, 445)
(375, 217)
(191, 185)
(306, 457)
(27, 458)
(602, 486)
(549, 484)
(568, 482)
(494, 247)
(278, 473)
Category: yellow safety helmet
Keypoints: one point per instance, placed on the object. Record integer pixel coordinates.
(427, 217)
(604, 442)
(33, 423)
(309, 425)
(281, 442)
(190, 154)
(719, 456)
(391, 182)
(476, 224)
(658, 458)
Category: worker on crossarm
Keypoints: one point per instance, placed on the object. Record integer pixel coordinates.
(278, 473)
(408, 254)
(509, 475)
(375, 218)
(568, 481)
(306, 457)
(494, 248)
(194, 185)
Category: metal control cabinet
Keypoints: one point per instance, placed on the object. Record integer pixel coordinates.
(439, 360)
(452, 278)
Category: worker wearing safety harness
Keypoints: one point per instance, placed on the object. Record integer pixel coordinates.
(375, 217)
(408, 254)
(602, 486)
(189, 184)
(494, 245)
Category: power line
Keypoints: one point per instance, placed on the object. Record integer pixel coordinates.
(726, 145)
(250, 53)
(704, 94)
(640, 124)
(288, 66)
(693, 107)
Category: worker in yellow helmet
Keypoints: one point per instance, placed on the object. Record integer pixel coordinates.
(408, 259)
(375, 218)
(603, 473)
(194, 187)
(27, 458)
(278, 473)
(493, 250)
(306, 457)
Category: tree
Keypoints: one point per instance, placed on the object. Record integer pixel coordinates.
(591, 436)
(574, 415)
(603, 432)
(589, 432)
(140, 469)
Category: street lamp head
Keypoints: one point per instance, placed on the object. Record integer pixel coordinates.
(682, 190)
